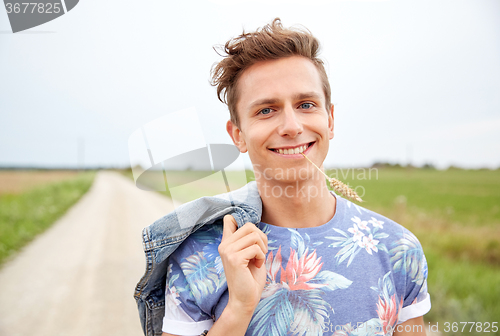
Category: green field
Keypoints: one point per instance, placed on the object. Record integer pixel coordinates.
(455, 212)
(26, 214)
(456, 216)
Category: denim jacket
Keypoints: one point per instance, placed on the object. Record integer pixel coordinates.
(162, 238)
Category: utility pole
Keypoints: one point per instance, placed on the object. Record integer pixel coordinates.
(408, 154)
(81, 153)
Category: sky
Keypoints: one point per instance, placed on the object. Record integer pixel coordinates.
(412, 81)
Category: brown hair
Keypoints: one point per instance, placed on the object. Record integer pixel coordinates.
(270, 42)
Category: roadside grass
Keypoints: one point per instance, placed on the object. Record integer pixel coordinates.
(27, 214)
(462, 291)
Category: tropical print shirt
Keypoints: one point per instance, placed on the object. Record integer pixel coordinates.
(359, 274)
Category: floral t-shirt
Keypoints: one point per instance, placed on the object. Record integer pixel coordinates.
(359, 274)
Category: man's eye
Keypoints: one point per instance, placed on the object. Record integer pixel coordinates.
(265, 111)
(306, 105)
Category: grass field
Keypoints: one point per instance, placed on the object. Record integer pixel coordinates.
(37, 200)
(456, 213)
(18, 181)
(456, 216)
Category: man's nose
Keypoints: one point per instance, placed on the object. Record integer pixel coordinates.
(290, 124)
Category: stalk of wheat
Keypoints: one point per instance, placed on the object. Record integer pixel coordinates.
(338, 186)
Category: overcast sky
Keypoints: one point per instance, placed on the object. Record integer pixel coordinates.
(412, 81)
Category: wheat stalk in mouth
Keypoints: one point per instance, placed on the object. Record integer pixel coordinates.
(338, 186)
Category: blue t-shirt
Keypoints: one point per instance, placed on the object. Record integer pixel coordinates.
(359, 274)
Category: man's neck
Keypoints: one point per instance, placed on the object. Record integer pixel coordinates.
(297, 204)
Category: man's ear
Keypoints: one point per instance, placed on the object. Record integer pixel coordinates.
(236, 135)
(330, 122)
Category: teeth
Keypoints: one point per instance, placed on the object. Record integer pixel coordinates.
(295, 150)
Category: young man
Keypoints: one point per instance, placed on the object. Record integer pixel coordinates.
(315, 264)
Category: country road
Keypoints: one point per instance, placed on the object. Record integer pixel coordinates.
(78, 277)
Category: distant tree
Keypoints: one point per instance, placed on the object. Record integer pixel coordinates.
(452, 167)
(379, 164)
(428, 166)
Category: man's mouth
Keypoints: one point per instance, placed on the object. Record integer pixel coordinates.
(292, 150)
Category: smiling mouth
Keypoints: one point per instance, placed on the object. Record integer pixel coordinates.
(294, 150)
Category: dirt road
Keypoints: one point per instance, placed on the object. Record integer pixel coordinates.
(78, 277)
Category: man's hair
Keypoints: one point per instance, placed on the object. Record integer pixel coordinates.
(272, 41)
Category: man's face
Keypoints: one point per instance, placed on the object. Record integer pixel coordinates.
(282, 110)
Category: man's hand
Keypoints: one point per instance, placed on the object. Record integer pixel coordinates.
(243, 255)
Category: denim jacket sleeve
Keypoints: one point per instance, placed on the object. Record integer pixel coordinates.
(162, 238)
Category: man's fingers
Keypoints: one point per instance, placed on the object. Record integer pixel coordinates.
(249, 240)
(253, 252)
(259, 262)
(246, 229)
(237, 240)
(230, 226)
